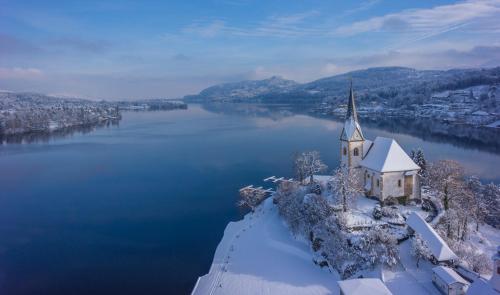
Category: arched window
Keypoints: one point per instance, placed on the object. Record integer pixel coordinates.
(399, 182)
(345, 151)
(378, 183)
(356, 152)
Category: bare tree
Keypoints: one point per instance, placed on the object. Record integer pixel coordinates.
(306, 164)
(346, 185)
(444, 176)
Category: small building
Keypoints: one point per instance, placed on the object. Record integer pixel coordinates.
(448, 281)
(438, 247)
(387, 171)
(369, 286)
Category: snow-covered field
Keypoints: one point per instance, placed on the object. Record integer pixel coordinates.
(258, 255)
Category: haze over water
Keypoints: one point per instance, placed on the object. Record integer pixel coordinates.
(139, 208)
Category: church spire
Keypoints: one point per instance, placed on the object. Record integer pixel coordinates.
(351, 106)
(352, 129)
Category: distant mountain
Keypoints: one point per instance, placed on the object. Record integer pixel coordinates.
(245, 90)
(393, 86)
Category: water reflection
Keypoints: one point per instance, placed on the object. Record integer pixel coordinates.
(484, 139)
(44, 137)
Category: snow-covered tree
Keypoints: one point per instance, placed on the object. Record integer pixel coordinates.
(307, 164)
(491, 202)
(315, 209)
(419, 249)
(418, 157)
(444, 176)
(346, 186)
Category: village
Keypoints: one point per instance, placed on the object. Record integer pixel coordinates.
(384, 222)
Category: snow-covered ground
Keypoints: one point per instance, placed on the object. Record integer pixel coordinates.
(258, 255)
(406, 276)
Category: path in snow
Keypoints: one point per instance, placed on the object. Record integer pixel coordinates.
(258, 255)
(406, 276)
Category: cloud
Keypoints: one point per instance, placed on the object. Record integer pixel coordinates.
(292, 25)
(426, 20)
(20, 73)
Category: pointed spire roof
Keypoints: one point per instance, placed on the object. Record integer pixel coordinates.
(351, 106)
(352, 129)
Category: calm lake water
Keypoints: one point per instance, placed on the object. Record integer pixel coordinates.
(139, 208)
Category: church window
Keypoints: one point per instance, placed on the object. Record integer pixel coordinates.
(378, 183)
(345, 151)
(399, 182)
(356, 152)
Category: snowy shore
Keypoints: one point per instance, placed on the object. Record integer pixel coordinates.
(258, 255)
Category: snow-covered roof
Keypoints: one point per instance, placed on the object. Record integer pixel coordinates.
(480, 113)
(352, 130)
(436, 244)
(448, 275)
(481, 286)
(363, 286)
(367, 144)
(386, 155)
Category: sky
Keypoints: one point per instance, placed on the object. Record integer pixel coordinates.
(149, 49)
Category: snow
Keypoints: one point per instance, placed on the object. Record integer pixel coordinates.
(407, 276)
(367, 144)
(448, 275)
(481, 286)
(495, 124)
(436, 244)
(485, 240)
(386, 155)
(258, 255)
(350, 128)
(480, 113)
(363, 286)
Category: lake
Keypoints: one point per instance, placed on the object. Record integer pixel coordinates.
(139, 207)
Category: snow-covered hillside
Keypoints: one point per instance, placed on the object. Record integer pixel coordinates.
(258, 255)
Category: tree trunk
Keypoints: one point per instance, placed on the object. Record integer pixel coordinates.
(445, 200)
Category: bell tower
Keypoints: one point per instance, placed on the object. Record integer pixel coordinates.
(351, 138)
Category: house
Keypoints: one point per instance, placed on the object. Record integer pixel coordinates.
(448, 281)
(387, 171)
(363, 286)
(438, 247)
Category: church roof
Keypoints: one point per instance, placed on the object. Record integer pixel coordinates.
(386, 155)
(351, 130)
(351, 106)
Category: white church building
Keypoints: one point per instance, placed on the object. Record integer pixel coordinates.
(387, 170)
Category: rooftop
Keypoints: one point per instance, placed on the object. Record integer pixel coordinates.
(363, 286)
(448, 275)
(386, 155)
(436, 244)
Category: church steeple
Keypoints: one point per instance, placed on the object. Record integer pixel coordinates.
(351, 106)
(352, 129)
(351, 138)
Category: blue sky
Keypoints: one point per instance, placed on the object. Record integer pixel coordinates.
(142, 49)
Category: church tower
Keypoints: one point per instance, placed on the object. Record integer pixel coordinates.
(351, 138)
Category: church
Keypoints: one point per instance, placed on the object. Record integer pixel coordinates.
(387, 170)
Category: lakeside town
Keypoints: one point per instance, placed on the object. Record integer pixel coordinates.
(31, 113)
